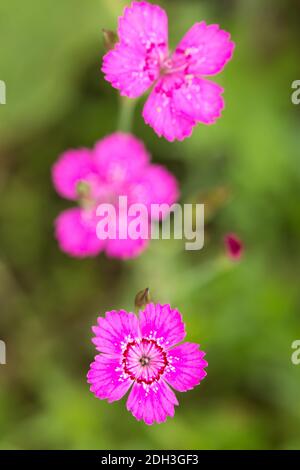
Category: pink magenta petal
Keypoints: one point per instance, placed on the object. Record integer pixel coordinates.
(136, 240)
(152, 404)
(125, 249)
(72, 167)
(199, 99)
(120, 158)
(106, 378)
(134, 63)
(115, 330)
(162, 323)
(155, 186)
(204, 50)
(142, 23)
(187, 367)
(76, 234)
(179, 101)
(124, 68)
(161, 114)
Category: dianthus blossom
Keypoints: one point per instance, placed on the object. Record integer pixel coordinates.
(142, 356)
(118, 165)
(180, 96)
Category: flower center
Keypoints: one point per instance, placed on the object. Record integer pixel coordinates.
(172, 66)
(144, 360)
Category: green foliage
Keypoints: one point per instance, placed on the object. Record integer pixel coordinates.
(245, 316)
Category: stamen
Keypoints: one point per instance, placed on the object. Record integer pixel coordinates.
(144, 361)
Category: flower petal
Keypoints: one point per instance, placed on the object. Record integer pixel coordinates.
(126, 249)
(125, 68)
(75, 231)
(143, 22)
(161, 114)
(72, 167)
(187, 367)
(162, 323)
(133, 65)
(114, 331)
(129, 235)
(107, 379)
(199, 99)
(119, 158)
(153, 403)
(205, 50)
(155, 186)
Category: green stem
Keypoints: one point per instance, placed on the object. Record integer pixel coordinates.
(127, 106)
(210, 272)
(198, 279)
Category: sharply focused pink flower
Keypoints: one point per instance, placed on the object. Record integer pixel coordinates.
(142, 354)
(180, 97)
(234, 246)
(119, 165)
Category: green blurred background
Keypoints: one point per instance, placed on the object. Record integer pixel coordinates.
(245, 315)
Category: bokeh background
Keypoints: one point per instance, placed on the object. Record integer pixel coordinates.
(246, 168)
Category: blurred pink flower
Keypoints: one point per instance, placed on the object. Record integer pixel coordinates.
(141, 354)
(119, 165)
(234, 246)
(181, 97)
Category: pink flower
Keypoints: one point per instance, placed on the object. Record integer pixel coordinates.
(234, 246)
(142, 354)
(180, 97)
(119, 165)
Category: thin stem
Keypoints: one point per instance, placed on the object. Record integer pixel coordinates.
(198, 279)
(210, 272)
(127, 106)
